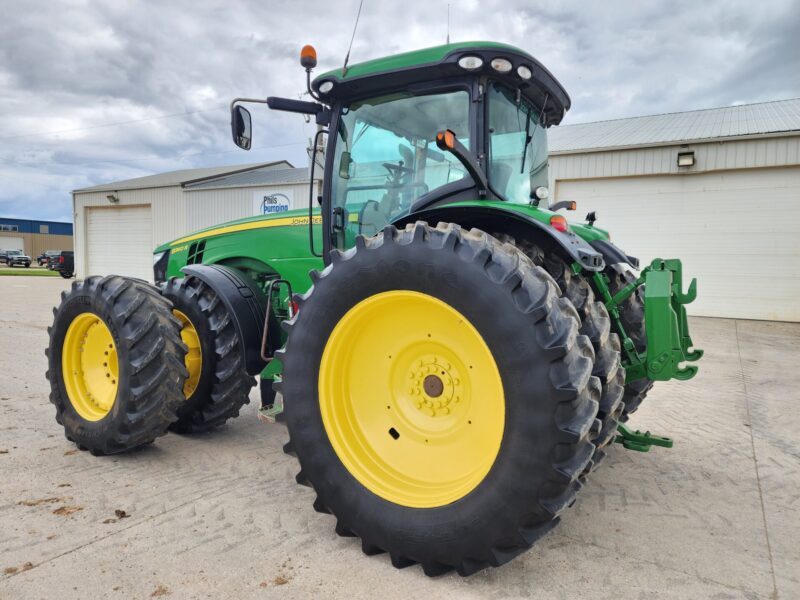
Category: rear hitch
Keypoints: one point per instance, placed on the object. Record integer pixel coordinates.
(668, 341)
(638, 441)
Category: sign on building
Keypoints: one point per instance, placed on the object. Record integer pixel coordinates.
(268, 202)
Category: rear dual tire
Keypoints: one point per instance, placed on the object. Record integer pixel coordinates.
(595, 324)
(548, 398)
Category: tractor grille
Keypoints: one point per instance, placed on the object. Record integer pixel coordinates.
(196, 251)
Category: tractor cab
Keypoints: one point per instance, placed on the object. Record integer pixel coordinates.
(386, 153)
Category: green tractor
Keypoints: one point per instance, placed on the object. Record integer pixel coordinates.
(460, 355)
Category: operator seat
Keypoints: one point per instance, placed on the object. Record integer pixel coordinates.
(501, 175)
(374, 215)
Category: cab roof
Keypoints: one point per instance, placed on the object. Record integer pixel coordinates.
(441, 62)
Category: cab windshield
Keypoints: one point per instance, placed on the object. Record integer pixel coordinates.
(517, 146)
(386, 157)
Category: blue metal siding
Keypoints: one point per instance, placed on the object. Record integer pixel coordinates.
(30, 226)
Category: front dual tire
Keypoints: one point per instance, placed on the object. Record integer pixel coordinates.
(218, 385)
(115, 364)
(439, 397)
(128, 362)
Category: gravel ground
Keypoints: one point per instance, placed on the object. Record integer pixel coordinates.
(220, 516)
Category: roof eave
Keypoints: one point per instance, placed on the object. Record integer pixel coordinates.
(114, 186)
(236, 172)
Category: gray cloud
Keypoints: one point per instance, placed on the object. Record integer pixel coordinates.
(75, 65)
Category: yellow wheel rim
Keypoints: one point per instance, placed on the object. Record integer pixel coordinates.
(194, 357)
(90, 366)
(411, 399)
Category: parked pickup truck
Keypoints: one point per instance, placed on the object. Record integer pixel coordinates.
(16, 258)
(44, 257)
(63, 262)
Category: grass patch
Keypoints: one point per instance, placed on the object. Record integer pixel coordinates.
(30, 271)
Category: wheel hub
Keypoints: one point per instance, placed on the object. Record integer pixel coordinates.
(194, 354)
(90, 366)
(435, 388)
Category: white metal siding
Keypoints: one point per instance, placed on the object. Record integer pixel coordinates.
(174, 212)
(205, 208)
(736, 231)
(120, 241)
(710, 156)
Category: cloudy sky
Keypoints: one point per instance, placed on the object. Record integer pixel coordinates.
(97, 91)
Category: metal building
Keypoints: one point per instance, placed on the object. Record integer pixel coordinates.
(118, 224)
(719, 188)
(34, 237)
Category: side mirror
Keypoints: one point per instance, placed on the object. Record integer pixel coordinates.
(345, 165)
(241, 129)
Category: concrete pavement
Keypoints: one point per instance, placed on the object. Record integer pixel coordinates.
(220, 516)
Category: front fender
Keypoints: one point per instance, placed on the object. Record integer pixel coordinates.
(493, 219)
(246, 303)
(614, 255)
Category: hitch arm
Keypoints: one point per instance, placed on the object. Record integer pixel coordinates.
(638, 441)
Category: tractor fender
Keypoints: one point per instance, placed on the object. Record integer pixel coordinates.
(490, 219)
(614, 255)
(246, 303)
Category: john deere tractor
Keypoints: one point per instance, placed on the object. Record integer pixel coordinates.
(460, 355)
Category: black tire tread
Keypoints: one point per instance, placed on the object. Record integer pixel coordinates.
(534, 294)
(230, 385)
(155, 384)
(595, 325)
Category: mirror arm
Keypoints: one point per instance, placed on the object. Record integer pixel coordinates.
(295, 106)
(465, 157)
(320, 111)
(563, 205)
(235, 101)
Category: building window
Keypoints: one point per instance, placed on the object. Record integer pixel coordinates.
(9, 227)
(44, 228)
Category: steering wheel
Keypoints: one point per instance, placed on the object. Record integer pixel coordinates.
(397, 170)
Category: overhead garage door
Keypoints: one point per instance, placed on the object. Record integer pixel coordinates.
(11, 243)
(738, 232)
(119, 240)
